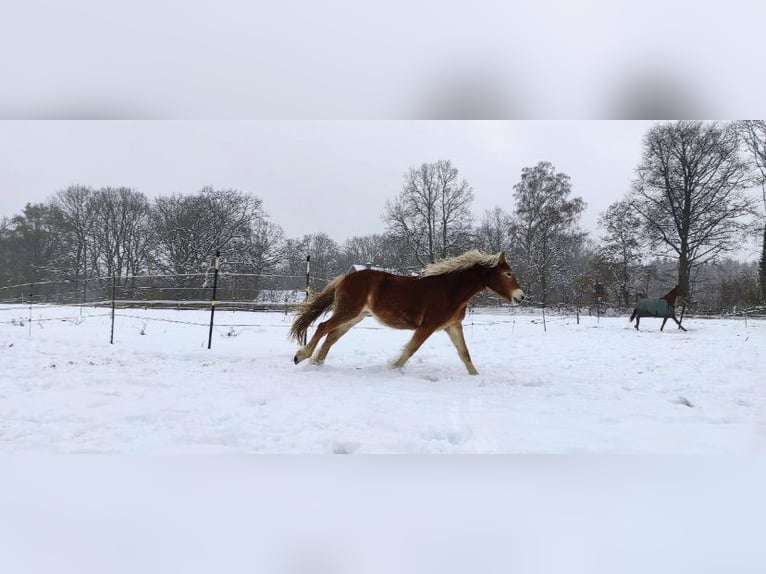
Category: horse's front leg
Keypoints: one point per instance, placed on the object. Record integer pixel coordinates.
(455, 333)
(420, 336)
(679, 324)
(665, 320)
(638, 320)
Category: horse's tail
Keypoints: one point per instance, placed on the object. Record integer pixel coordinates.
(312, 309)
(633, 316)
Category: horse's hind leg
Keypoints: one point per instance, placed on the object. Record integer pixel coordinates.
(333, 337)
(638, 320)
(420, 336)
(455, 333)
(665, 320)
(306, 351)
(344, 312)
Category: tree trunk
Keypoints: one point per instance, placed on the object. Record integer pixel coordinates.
(762, 270)
(684, 272)
(624, 287)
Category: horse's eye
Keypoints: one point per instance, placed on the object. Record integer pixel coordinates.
(508, 274)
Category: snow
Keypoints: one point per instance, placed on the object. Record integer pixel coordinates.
(596, 387)
(599, 386)
(377, 515)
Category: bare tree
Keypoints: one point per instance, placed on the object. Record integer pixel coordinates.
(77, 215)
(190, 228)
(432, 213)
(396, 256)
(121, 233)
(326, 261)
(575, 279)
(689, 191)
(82, 234)
(493, 234)
(621, 247)
(544, 227)
(251, 262)
(325, 258)
(364, 249)
(754, 136)
(727, 284)
(264, 250)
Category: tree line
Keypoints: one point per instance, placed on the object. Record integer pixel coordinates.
(689, 206)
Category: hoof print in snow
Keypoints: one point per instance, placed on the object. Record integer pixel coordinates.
(452, 437)
(345, 447)
(682, 400)
(533, 383)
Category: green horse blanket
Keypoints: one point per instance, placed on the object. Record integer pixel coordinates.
(655, 308)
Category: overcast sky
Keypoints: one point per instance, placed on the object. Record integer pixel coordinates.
(179, 59)
(324, 176)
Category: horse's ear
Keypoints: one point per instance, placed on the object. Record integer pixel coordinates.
(501, 258)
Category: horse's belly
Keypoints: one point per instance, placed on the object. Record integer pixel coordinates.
(400, 326)
(395, 320)
(659, 314)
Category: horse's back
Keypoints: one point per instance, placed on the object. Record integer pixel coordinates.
(370, 280)
(375, 289)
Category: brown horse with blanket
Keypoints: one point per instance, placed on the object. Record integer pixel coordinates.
(664, 307)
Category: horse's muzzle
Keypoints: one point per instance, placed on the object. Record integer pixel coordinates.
(517, 296)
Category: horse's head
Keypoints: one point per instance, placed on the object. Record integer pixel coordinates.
(676, 295)
(503, 282)
(680, 294)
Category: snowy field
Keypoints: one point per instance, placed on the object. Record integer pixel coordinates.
(595, 387)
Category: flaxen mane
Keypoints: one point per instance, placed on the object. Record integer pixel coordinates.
(461, 262)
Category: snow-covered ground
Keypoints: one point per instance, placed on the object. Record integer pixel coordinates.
(599, 386)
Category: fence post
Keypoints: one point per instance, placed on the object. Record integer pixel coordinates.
(114, 289)
(308, 289)
(212, 299)
(31, 300)
(545, 327)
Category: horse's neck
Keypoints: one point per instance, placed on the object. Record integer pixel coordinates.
(470, 284)
(671, 299)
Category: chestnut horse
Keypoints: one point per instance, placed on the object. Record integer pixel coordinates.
(664, 307)
(435, 300)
